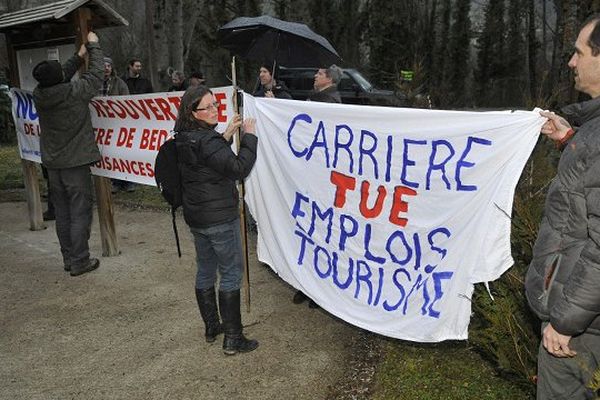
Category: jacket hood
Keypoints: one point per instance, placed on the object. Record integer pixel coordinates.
(580, 113)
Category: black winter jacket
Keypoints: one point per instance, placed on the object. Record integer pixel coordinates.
(280, 91)
(209, 169)
(137, 85)
(328, 95)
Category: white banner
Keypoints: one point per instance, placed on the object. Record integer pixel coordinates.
(386, 217)
(129, 130)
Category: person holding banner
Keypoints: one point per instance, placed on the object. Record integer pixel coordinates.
(68, 148)
(326, 80)
(209, 170)
(563, 279)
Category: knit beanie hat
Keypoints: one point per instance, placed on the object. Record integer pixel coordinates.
(48, 73)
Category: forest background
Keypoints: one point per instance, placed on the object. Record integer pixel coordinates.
(465, 54)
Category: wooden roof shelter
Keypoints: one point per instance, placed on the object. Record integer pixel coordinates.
(54, 22)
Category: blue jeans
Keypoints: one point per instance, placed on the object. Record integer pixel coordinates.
(219, 247)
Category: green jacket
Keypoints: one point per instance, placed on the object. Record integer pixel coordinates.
(67, 139)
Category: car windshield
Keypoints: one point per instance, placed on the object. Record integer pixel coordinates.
(362, 81)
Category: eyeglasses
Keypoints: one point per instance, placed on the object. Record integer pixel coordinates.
(214, 105)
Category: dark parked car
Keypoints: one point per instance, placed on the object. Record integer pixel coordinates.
(354, 88)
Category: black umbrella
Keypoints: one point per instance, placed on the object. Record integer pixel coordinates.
(270, 39)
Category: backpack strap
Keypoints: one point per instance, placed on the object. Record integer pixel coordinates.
(175, 231)
(173, 219)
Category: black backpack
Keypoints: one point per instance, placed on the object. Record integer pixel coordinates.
(168, 179)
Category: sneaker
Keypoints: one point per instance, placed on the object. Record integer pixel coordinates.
(48, 216)
(130, 187)
(92, 264)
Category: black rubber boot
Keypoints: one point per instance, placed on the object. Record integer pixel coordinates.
(234, 341)
(207, 303)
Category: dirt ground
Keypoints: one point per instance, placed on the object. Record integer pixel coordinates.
(131, 329)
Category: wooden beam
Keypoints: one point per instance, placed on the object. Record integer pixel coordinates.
(106, 217)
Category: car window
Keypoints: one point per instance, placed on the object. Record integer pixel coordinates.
(346, 82)
(362, 81)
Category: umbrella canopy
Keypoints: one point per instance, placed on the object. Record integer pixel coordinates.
(270, 39)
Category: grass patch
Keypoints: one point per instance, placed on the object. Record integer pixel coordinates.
(143, 197)
(444, 371)
(11, 173)
(11, 184)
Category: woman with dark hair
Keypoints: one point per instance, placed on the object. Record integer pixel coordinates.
(209, 169)
(268, 86)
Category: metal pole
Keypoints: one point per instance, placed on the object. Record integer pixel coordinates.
(246, 278)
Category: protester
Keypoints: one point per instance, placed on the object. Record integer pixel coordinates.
(135, 82)
(268, 86)
(178, 82)
(326, 80)
(197, 79)
(563, 280)
(209, 170)
(112, 84)
(68, 148)
(137, 85)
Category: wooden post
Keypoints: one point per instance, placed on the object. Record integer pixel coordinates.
(246, 277)
(32, 191)
(106, 217)
(30, 171)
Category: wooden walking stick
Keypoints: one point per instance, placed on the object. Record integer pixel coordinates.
(246, 277)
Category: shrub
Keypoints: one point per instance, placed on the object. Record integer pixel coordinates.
(503, 329)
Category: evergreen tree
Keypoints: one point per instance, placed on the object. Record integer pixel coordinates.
(491, 45)
(460, 39)
(440, 85)
(514, 82)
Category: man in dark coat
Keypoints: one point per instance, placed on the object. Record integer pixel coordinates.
(268, 86)
(136, 85)
(326, 80)
(68, 148)
(178, 82)
(135, 82)
(563, 280)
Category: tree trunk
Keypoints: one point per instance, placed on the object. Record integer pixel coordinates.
(150, 43)
(531, 49)
(176, 34)
(570, 23)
